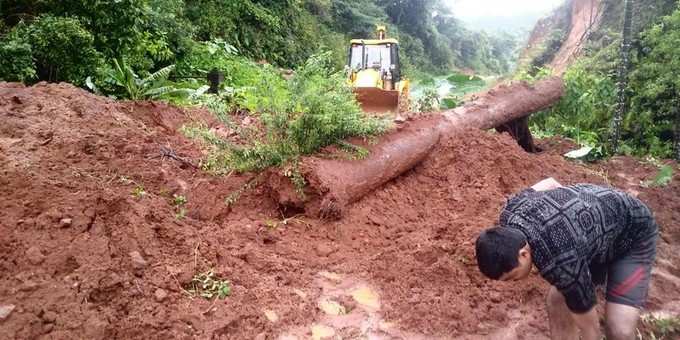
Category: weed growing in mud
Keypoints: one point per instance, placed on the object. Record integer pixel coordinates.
(659, 327)
(292, 171)
(179, 201)
(208, 285)
(663, 178)
(429, 101)
(138, 192)
(355, 152)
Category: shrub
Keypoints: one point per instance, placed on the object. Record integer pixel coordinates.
(655, 86)
(61, 49)
(585, 110)
(16, 60)
(313, 109)
(320, 111)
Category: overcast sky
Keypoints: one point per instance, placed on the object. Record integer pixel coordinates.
(468, 9)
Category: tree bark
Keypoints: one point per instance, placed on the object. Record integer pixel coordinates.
(677, 132)
(334, 183)
(622, 85)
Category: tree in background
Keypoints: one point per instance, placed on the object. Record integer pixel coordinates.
(624, 67)
(152, 34)
(655, 83)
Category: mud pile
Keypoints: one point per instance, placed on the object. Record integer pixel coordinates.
(85, 254)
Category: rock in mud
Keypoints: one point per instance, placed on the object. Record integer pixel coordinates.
(65, 222)
(34, 255)
(138, 262)
(49, 317)
(324, 249)
(160, 295)
(5, 311)
(271, 315)
(320, 332)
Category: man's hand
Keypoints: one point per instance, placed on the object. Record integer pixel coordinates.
(589, 324)
(547, 184)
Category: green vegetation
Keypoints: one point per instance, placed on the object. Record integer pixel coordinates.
(659, 327)
(138, 192)
(69, 40)
(651, 125)
(49, 48)
(208, 285)
(662, 179)
(178, 202)
(313, 109)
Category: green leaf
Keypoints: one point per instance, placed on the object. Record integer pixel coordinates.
(663, 178)
(580, 153)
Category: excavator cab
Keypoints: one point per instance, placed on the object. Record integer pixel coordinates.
(375, 74)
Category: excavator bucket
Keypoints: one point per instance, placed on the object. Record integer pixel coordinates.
(376, 100)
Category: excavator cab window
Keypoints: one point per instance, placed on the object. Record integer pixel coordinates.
(377, 57)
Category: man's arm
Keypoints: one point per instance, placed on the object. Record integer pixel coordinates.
(589, 324)
(579, 296)
(546, 184)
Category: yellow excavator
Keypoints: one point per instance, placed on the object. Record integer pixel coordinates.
(375, 74)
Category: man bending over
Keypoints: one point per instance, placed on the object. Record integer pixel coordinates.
(578, 237)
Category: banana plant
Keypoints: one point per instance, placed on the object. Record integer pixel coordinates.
(136, 88)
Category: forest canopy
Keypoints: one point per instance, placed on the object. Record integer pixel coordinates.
(68, 40)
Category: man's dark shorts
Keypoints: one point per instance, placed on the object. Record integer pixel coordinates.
(628, 278)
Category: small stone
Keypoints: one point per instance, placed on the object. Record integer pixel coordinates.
(271, 315)
(138, 262)
(495, 297)
(331, 307)
(331, 276)
(320, 332)
(300, 293)
(29, 286)
(160, 294)
(261, 336)
(65, 222)
(5, 311)
(49, 317)
(366, 297)
(34, 255)
(324, 249)
(48, 327)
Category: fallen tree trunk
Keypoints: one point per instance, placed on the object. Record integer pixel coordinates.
(332, 184)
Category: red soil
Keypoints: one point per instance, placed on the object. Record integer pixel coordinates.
(70, 227)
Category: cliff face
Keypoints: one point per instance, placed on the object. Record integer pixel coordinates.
(558, 39)
(586, 16)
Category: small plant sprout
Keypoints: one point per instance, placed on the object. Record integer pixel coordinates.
(138, 191)
(179, 201)
(181, 213)
(660, 326)
(125, 180)
(208, 285)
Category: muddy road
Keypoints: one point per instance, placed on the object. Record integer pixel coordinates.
(92, 244)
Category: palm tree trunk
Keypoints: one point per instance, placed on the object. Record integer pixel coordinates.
(624, 66)
(677, 132)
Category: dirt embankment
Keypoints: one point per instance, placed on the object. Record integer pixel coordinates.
(585, 18)
(85, 255)
(577, 19)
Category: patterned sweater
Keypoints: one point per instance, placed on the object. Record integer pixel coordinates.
(575, 231)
